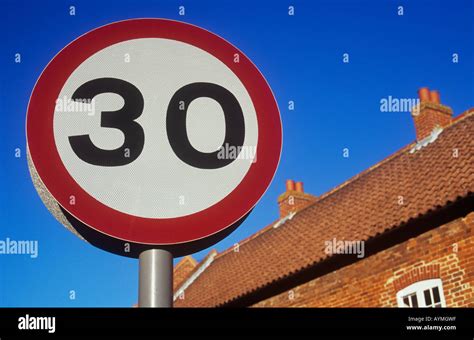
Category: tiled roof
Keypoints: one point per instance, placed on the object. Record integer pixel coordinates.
(398, 189)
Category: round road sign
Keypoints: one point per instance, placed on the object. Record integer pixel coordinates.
(153, 132)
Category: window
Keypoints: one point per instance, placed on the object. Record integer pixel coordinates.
(427, 293)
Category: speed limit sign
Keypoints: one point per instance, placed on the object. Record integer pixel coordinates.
(152, 132)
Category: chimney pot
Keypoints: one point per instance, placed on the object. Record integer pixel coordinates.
(299, 187)
(290, 185)
(434, 97)
(424, 94)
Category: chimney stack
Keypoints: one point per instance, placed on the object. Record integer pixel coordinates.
(294, 199)
(430, 113)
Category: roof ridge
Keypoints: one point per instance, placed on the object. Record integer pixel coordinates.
(390, 157)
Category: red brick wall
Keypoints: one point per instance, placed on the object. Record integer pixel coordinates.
(446, 252)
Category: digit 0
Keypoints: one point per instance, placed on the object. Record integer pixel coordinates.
(176, 124)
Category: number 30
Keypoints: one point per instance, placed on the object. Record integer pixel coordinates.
(134, 136)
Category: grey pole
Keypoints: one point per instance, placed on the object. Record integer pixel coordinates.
(155, 278)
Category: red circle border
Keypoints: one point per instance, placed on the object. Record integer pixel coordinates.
(164, 231)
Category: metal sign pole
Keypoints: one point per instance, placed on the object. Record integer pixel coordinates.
(155, 278)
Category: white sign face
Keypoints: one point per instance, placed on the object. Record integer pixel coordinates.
(157, 183)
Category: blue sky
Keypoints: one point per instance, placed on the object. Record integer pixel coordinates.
(337, 105)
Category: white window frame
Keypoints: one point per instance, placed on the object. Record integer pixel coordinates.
(418, 288)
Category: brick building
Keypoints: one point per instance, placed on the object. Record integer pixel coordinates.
(400, 233)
